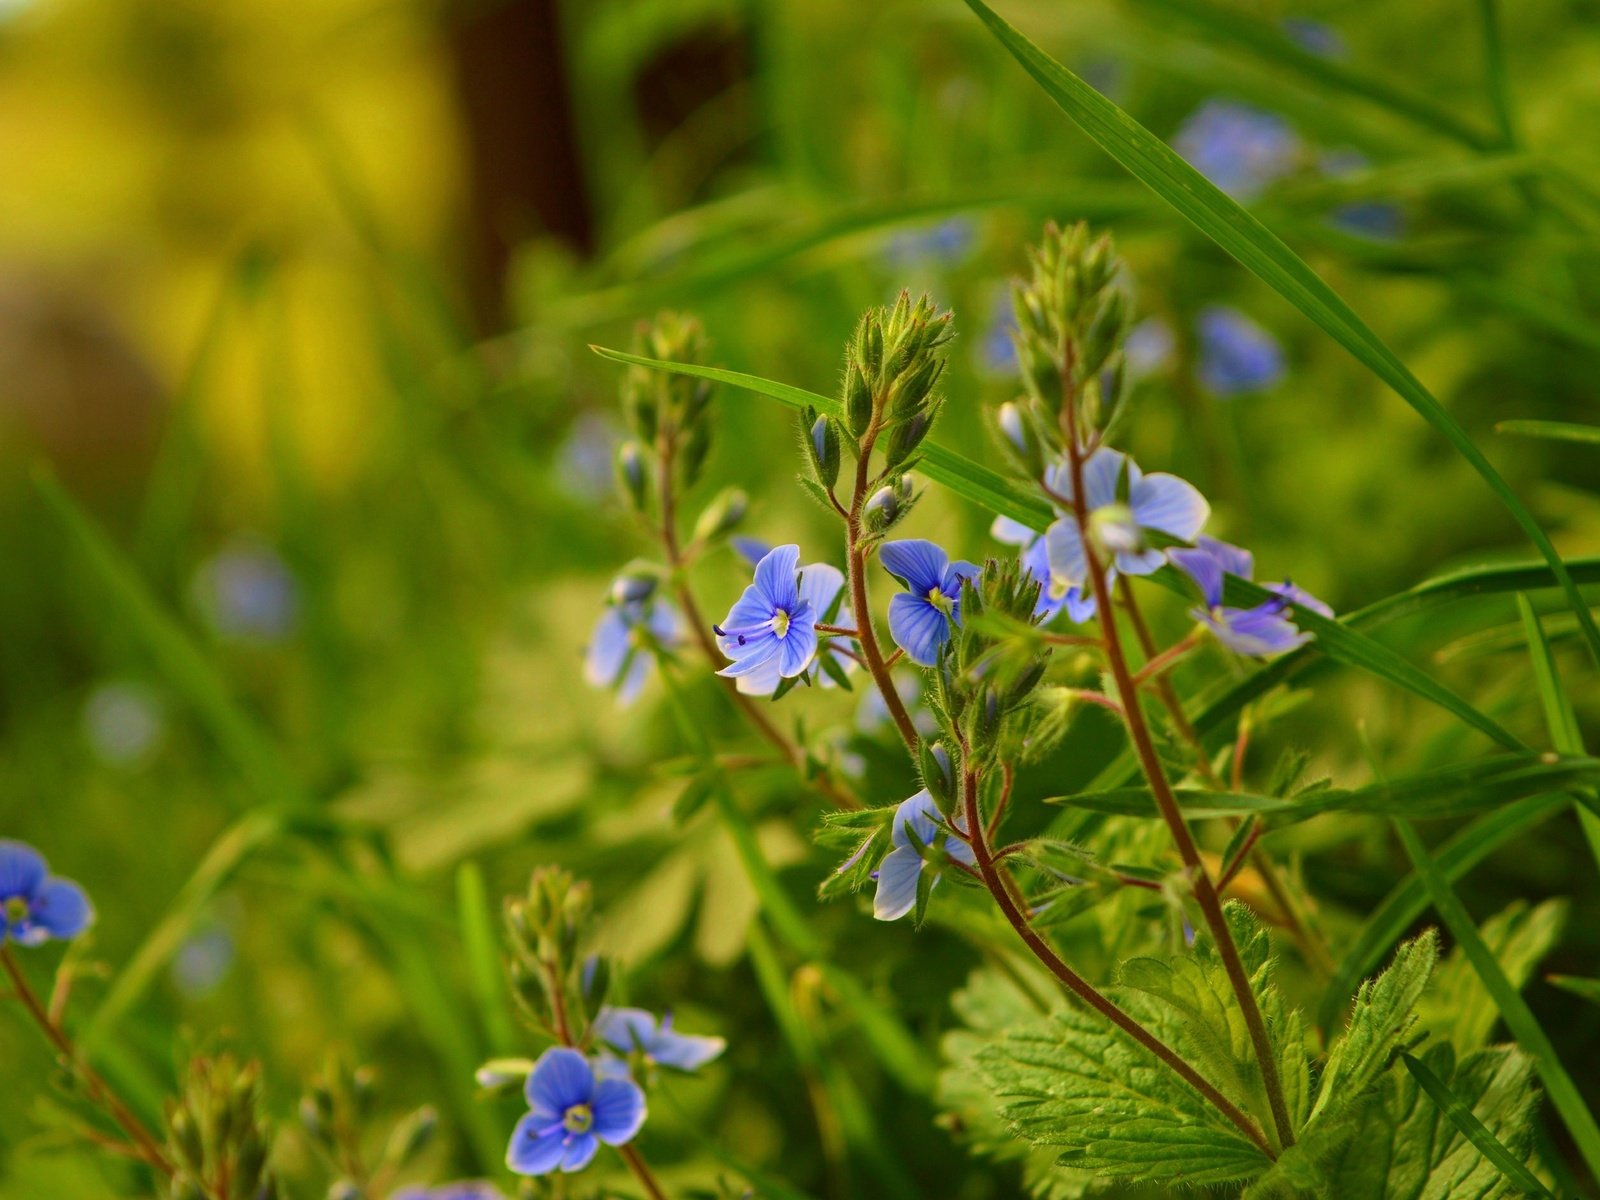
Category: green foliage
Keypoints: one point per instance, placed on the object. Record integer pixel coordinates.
(1457, 1008)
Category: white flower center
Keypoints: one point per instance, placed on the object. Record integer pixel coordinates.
(780, 623)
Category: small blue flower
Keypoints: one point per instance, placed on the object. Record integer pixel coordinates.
(1377, 220)
(124, 723)
(464, 1189)
(1159, 502)
(1257, 632)
(572, 1110)
(772, 624)
(902, 867)
(1239, 148)
(584, 464)
(34, 906)
(1236, 355)
(752, 550)
(820, 585)
(1149, 348)
(1315, 37)
(1054, 595)
(921, 617)
(948, 241)
(248, 593)
(633, 1029)
(620, 651)
(996, 349)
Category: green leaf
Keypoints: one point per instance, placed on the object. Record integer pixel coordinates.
(1446, 792)
(1474, 1130)
(1457, 1008)
(483, 958)
(1518, 1017)
(1559, 719)
(1587, 989)
(1385, 1011)
(1261, 252)
(1560, 431)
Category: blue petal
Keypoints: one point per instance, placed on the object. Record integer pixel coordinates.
(664, 622)
(961, 569)
(897, 884)
(917, 563)
(561, 1078)
(1235, 560)
(627, 1029)
(685, 1051)
(581, 1149)
(22, 871)
(1012, 533)
(918, 628)
(752, 550)
(799, 644)
(1172, 505)
(753, 655)
(537, 1144)
(820, 583)
(960, 851)
(764, 680)
(775, 576)
(753, 610)
(920, 815)
(61, 909)
(1103, 472)
(1298, 595)
(1064, 549)
(1081, 603)
(638, 670)
(619, 1110)
(1258, 632)
(1205, 569)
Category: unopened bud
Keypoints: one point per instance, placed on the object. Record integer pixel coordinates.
(631, 471)
(722, 515)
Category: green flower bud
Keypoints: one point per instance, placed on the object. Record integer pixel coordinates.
(633, 474)
(722, 516)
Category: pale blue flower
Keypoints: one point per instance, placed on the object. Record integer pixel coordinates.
(124, 723)
(752, 550)
(572, 1110)
(820, 586)
(996, 347)
(34, 905)
(1054, 594)
(902, 867)
(248, 593)
(1239, 148)
(1149, 348)
(464, 1189)
(621, 650)
(948, 241)
(922, 616)
(772, 624)
(1259, 632)
(1237, 356)
(1316, 37)
(1121, 521)
(631, 1030)
(1377, 220)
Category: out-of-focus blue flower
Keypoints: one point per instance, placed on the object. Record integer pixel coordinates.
(247, 592)
(584, 462)
(620, 651)
(1316, 37)
(1239, 148)
(1377, 220)
(1159, 502)
(463, 1189)
(752, 550)
(948, 241)
(1237, 356)
(633, 1030)
(921, 617)
(820, 585)
(1258, 632)
(572, 1109)
(1054, 595)
(124, 723)
(34, 905)
(772, 624)
(996, 351)
(202, 961)
(1149, 348)
(902, 867)
(872, 714)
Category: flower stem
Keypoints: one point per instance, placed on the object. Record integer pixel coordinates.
(840, 796)
(149, 1150)
(1205, 891)
(641, 1172)
(998, 881)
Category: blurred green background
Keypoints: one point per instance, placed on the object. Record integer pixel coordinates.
(294, 304)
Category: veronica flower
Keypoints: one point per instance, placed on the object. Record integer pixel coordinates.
(752, 550)
(247, 592)
(820, 585)
(1149, 347)
(1256, 632)
(771, 626)
(921, 617)
(634, 1029)
(996, 350)
(1239, 148)
(948, 241)
(1236, 354)
(124, 723)
(620, 651)
(1379, 220)
(902, 867)
(1159, 502)
(34, 906)
(1054, 594)
(464, 1189)
(572, 1110)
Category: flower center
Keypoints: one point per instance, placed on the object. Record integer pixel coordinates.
(1114, 528)
(578, 1119)
(940, 601)
(15, 910)
(780, 622)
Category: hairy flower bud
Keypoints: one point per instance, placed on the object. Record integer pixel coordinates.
(822, 442)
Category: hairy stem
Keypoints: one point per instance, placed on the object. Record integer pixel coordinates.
(1000, 885)
(149, 1150)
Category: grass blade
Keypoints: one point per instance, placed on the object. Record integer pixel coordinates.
(1474, 1130)
(1585, 989)
(1261, 252)
(1559, 718)
(1514, 1010)
(1560, 431)
(483, 959)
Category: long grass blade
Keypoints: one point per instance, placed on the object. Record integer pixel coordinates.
(483, 960)
(1559, 431)
(1474, 1130)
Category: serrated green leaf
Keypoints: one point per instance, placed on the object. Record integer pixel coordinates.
(1474, 1130)
(1456, 1007)
(1260, 251)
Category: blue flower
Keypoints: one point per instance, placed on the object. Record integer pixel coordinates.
(620, 651)
(1236, 355)
(948, 241)
(772, 625)
(1054, 595)
(820, 585)
(572, 1110)
(1315, 37)
(247, 592)
(1160, 502)
(902, 867)
(124, 723)
(1377, 220)
(634, 1029)
(1257, 632)
(34, 906)
(464, 1189)
(996, 349)
(1239, 148)
(1149, 347)
(921, 617)
(752, 550)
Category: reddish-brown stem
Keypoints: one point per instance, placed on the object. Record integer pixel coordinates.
(1007, 778)
(1232, 868)
(838, 629)
(1101, 699)
(98, 1091)
(1158, 665)
(1000, 885)
(641, 1172)
(1205, 891)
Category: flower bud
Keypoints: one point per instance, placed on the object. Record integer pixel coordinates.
(632, 473)
(500, 1075)
(938, 775)
(882, 509)
(633, 585)
(857, 401)
(410, 1136)
(722, 515)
